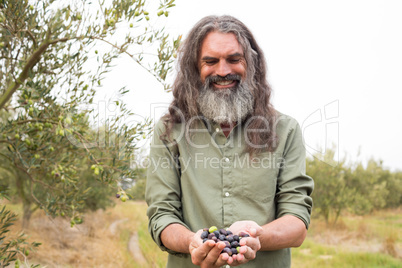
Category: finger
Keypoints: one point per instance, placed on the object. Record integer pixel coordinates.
(206, 248)
(236, 262)
(240, 258)
(256, 231)
(249, 248)
(199, 254)
(229, 260)
(249, 241)
(224, 256)
(253, 243)
(214, 256)
(248, 252)
(243, 249)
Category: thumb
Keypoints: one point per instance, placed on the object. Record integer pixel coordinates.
(256, 231)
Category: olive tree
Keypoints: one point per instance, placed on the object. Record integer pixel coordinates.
(53, 58)
(331, 192)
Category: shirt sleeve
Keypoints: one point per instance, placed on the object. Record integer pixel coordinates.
(163, 191)
(294, 187)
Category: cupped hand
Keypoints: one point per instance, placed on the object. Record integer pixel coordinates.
(249, 245)
(208, 254)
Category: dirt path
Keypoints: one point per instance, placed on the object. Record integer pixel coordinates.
(134, 248)
(133, 244)
(113, 226)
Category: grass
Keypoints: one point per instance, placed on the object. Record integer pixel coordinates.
(356, 241)
(93, 243)
(138, 222)
(151, 252)
(312, 254)
(102, 240)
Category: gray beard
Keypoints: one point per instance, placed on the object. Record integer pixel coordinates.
(226, 106)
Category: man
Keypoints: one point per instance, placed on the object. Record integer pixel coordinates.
(224, 156)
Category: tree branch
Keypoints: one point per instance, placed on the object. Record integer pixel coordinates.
(33, 60)
(35, 181)
(159, 79)
(5, 156)
(32, 37)
(83, 143)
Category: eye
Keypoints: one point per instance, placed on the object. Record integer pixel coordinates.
(234, 60)
(210, 62)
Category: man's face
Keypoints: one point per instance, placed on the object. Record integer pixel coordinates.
(221, 55)
(225, 96)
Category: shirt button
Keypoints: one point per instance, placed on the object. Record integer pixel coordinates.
(227, 160)
(217, 129)
(227, 194)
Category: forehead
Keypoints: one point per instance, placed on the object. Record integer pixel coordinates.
(217, 44)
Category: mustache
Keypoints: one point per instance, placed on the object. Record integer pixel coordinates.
(218, 78)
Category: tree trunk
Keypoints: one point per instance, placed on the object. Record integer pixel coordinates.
(27, 213)
(326, 216)
(26, 201)
(338, 212)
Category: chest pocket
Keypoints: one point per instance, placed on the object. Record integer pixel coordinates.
(259, 177)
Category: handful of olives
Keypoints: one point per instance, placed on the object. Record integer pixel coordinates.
(231, 240)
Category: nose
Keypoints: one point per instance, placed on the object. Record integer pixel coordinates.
(223, 68)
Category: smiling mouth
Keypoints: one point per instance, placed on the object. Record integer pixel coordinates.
(224, 82)
(229, 81)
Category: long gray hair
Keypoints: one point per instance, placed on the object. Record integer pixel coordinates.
(188, 82)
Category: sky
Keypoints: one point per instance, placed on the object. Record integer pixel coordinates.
(335, 66)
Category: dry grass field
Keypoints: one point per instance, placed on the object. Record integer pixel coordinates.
(355, 241)
(118, 237)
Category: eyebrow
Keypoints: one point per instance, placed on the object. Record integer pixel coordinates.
(237, 54)
(206, 58)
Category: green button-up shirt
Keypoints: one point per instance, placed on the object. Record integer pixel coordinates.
(205, 178)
